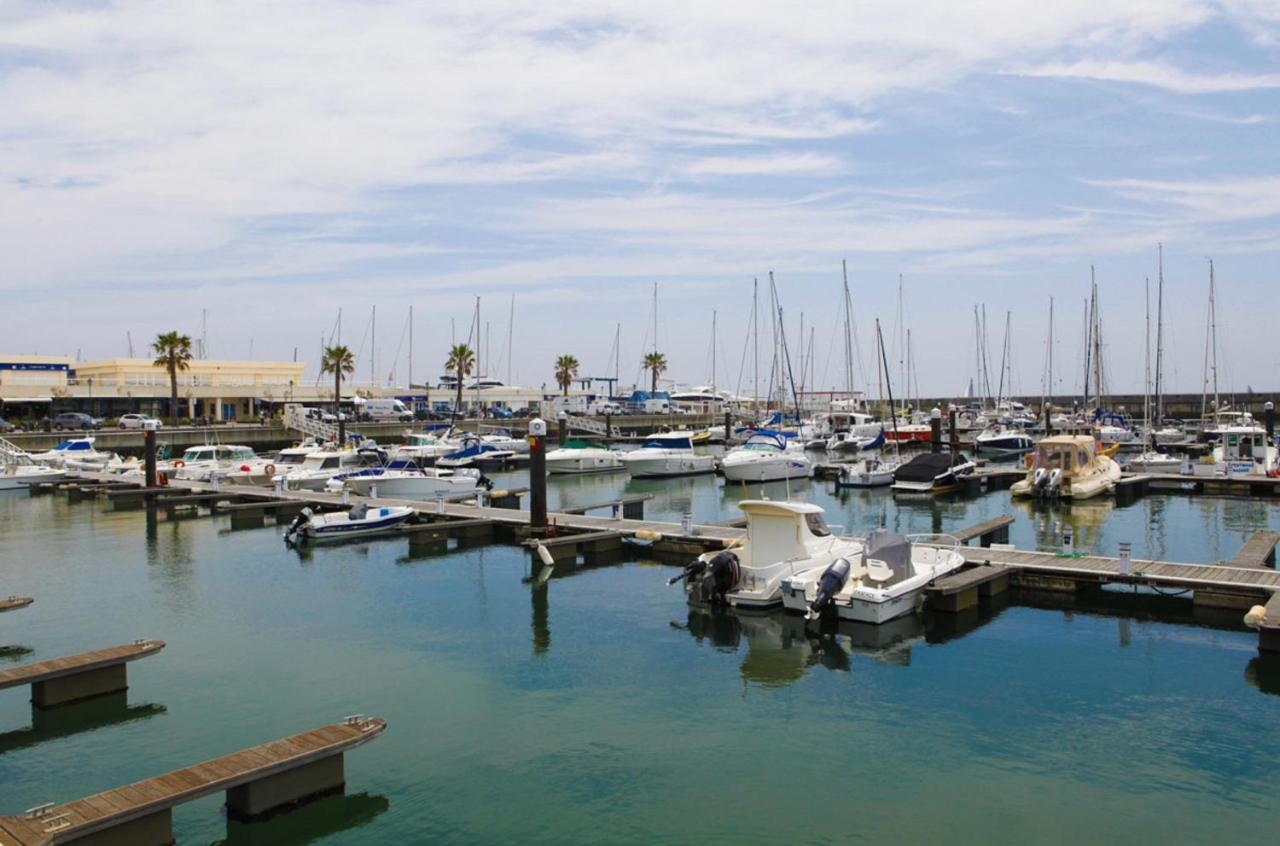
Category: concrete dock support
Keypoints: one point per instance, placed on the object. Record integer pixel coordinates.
(80, 686)
(537, 476)
(288, 789)
(250, 518)
(431, 541)
(152, 830)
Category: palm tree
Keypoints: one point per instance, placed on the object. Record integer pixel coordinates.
(340, 362)
(566, 372)
(461, 360)
(173, 352)
(656, 363)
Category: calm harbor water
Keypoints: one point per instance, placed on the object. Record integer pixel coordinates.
(601, 709)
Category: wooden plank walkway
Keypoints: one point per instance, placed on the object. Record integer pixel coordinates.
(73, 664)
(1258, 551)
(13, 603)
(987, 527)
(966, 579)
(83, 817)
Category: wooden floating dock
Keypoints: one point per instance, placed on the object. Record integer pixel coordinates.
(62, 681)
(1269, 627)
(13, 603)
(1258, 551)
(257, 781)
(961, 591)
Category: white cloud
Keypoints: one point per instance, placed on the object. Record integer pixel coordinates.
(1156, 74)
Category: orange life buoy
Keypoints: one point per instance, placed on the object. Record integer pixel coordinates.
(178, 462)
(271, 469)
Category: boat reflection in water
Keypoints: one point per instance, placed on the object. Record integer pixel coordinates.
(1086, 518)
(780, 648)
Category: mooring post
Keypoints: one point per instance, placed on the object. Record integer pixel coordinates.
(728, 426)
(563, 429)
(1048, 417)
(538, 476)
(608, 424)
(1269, 417)
(935, 429)
(149, 453)
(952, 434)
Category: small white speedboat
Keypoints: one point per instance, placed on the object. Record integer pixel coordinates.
(20, 475)
(766, 457)
(783, 539)
(360, 521)
(1155, 462)
(886, 581)
(579, 456)
(667, 454)
(405, 480)
(871, 472)
(74, 454)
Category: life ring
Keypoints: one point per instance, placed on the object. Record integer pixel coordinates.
(270, 469)
(178, 462)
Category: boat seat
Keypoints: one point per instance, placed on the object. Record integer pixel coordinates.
(877, 571)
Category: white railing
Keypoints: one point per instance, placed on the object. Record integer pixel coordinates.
(296, 418)
(587, 424)
(11, 452)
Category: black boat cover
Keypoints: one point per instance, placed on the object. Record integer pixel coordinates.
(928, 466)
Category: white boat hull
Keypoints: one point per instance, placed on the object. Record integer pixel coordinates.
(771, 469)
(590, 461)
(661, 466)
(418, 487)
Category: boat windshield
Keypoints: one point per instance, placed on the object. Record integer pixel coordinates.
(243, 454)
(817, 525)
(667, 443)
(289, 458)
(197, 454)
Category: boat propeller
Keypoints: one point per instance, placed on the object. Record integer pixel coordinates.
(298, 522)
(833, 578)
(692, 569)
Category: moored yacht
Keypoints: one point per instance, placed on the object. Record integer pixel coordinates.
(319, 467)
(405, 480)
(932, 473)
(766, 457)
(783, 539)
(580, 456)
(1003, 439)
(1243, 450)
(1068, 467)
(74, 454)
(667, 454)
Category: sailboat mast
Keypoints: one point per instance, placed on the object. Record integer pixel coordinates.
(410, 349)
(893, 416)
(1146, 356)
(511, 326)
(848, 318)
(373, 345)
(755, 344)
(1213, 327)
(1159, 383)
(713, 351)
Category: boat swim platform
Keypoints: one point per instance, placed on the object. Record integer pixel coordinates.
(258, 782)
(15, 603)
(61, 681)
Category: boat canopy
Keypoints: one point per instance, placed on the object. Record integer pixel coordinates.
(75, 445)
(579, 443)
(928, 466)
(766, 440)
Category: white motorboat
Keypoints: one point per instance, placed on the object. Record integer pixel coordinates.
(884, 582)
(667, 454)
(503, 439)
(1243, 450)
(870, 472)
(291, 458)
(319, 467)
(1152, 461)
(579, 456)
(18, 475)
(1003, 439)
(475, 452)
(932, 473)
(360, 521)
(854, 432)
(405, 480)
(424, 448)
(1068, 467)
(766, 457)
(74, 454)
(783, 539)
(226, 461)
(1171, 436)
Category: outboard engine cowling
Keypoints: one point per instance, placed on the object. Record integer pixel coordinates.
(832, 580)
(1055, 482)
(720, 577)
(691, 570)
(1038, 479)
(298, 522)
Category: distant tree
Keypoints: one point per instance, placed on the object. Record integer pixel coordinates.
(173, 353)
(566, 372)
(340, 362)
(461, 361)
(656, 364)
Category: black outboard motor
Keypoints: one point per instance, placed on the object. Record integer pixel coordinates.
(833, 578)
(691, 570)
(303, 516)
(720, 577)
(1038, 480)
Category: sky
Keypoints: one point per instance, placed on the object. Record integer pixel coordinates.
(269, 163)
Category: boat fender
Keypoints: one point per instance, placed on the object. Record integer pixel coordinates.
(648, 535)
(1253, 619)
(162, 479)
(544, 555)
(832, 579)
(244, 468)
(270, 469)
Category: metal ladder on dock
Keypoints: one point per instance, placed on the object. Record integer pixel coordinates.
(587, 424)
(295, 418)
(11, 452)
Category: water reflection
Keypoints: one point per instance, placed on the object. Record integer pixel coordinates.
(1087, 519)
(14, 653)
(1263, 672)
(781, 647)
(77, 717)
(541, 625)
(312, 821)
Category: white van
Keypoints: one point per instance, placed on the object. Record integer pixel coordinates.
(386, 409)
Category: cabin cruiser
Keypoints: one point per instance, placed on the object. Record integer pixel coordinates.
(885, 581)
(783, 539)
(766, 457)
(291, 458)
(319, 467)
(1068, 467)
(1154, 461)
(406, 480)
(581, 456)
(424, 448)
(1243, 450)
(22, 472)
(854, 432)
(1003, 439)
(359, 521)
(201, 463)
(503, 439)
(74, 454)
(932, 473)
(475, 452)
(667, 454)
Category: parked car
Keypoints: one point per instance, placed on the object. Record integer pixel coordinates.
(6, 426)
(137, 421)
(75, 420)
(321, 415)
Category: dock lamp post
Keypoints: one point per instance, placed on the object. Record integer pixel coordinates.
(537, 476)
(562, 420)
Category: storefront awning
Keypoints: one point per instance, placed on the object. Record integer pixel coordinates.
(16, 400)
